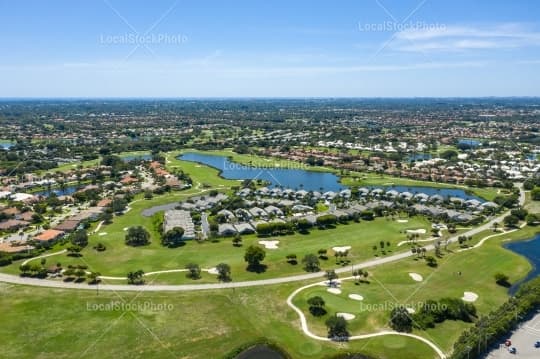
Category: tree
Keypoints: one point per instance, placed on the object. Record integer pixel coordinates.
(292, 259)
(173, 237)
(237, 240)
(316, 306)
(80, 238)
(107, 217)
(502, 279)
(93, 277)
(136, 277)
(337, 328)
(194, 271)
(311, 263)
(322, 253)
(431, 261)
(224, 272)
(331, 275)
(303, 225)
(511, 220)
(254, 256)
(137, 236)
(74, 251)
(535, 194)
(148, 194)
(80, 273)
(400, 319)
(118, 205)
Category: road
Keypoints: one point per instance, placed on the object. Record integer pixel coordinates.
(205, 227)
(14, 279)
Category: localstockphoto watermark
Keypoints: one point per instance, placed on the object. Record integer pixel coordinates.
(119, 306)
(143, 40)
(393, 26)
(388, 306)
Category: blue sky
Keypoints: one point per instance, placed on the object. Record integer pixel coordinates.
(361, 48)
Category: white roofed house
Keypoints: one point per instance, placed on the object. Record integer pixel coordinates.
(228, 215)
(244, 228)
(243, 214)
(273, 210)
(330, 195)
(346, 193)
(257, 212)
(179, 218)
(226, 229)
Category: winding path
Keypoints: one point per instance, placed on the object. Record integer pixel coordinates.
(305, 328)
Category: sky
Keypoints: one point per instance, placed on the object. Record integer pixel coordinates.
(294, 48)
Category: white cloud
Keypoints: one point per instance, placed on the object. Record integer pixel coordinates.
(463, 38)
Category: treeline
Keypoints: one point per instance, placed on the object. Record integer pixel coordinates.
(493, 327)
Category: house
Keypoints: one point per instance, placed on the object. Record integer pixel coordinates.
(272, 210)
(257, 212)
(13, 224)
(179, 218)
(49, 236)
(226, 229)
(244, 228)
(227, 214)
(68, 225)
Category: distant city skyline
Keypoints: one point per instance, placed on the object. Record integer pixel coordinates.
(251, 49)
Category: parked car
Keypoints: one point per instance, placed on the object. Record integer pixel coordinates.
(512, 350)
(537, 344)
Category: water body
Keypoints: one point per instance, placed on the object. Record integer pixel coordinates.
(59, 192)
(529, 249)
(419, 157)
(6, 145)
(260, 352)
(470, 142)
(142, 157)
(288, 178)
(295, 178)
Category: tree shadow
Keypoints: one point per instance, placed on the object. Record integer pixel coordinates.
(257, 268)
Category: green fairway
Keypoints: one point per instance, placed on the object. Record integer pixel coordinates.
(47, 323)
(391, 285)
(119, 258)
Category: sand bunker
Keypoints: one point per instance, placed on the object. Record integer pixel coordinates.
(269, 244)
(126, 228)
(356, 297)
(416, 277)
(213, 270)
(334, 290)
(341, 249)
(402, 221)
(416, 231)
(346, 316)
(102, 234)
(469, 297)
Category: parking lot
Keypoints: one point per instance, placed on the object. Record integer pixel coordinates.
(523, 340)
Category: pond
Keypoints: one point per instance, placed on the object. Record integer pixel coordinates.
(6, 145)
(469, 142)
(419, 157)
(260, 352)
(68, 190)
(303, 179)
(140, 157)
(529, 249)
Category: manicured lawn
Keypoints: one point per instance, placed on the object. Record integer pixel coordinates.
(47, 323)
(391, 285)
(119, 259)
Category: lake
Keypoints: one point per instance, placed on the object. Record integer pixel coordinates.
(302, 179)
(529, 249)
(470, 142)
(419, 157)
(288, 178)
